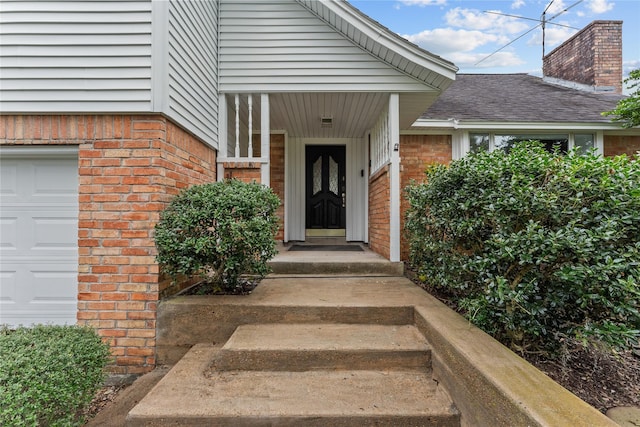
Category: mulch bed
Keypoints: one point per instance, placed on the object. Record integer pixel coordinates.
(245, 286)
(601, 379)
(103, 397)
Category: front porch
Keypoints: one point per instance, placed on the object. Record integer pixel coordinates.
(324, 155)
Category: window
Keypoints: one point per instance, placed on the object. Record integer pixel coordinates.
(584, 142)
(499, 141)
(478, 142)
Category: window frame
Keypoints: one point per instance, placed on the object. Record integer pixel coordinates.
(462, 141)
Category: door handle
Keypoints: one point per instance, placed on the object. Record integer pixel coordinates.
(344, 200)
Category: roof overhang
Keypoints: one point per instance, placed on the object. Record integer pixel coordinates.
(435, 72)
(454, 124)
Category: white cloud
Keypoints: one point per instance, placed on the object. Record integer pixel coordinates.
(423, 3)
(517, 4)
(448, 41)
(476, 20)
(470, 59)
(553, 36)
(467, 31)
(556, 7)
(628, 66)
(600, 6)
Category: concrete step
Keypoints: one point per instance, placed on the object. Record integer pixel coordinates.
(303, 347)
(355, 300)
(187, 397)
(323, 266)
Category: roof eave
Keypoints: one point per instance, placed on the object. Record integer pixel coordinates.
(455, 124)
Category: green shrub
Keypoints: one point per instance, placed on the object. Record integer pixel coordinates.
(219, 231)
(536, 246)
(49, 374)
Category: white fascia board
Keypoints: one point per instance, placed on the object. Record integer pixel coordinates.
(429, 131)
(381, 35)
(454, 124)
(441, 124)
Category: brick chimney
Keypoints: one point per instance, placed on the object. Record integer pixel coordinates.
(592, 58)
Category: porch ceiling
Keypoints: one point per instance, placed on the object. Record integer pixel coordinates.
(353, 114)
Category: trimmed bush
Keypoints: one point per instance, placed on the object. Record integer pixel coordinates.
(536, 246)
(49, 374)
(218, 231)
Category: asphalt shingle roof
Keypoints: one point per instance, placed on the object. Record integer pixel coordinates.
(518, 98)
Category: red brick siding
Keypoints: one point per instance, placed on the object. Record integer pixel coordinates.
(243, 171)
(593, 56)
(129, 168)
(616, 144)
(277, 177)
(379, 212)
(416, 153)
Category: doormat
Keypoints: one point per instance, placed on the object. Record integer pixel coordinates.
(326, 248)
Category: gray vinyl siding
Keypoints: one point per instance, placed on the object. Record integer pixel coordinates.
(280, 46)
(75, 56)
(192, 67)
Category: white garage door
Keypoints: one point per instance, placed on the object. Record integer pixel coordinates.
(38, 235)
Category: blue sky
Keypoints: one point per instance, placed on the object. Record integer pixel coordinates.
(464, 32)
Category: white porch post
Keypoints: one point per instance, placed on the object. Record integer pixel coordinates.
(250, 104)
(264, 139)
(394, 177)
(237, 103)
(222, 134)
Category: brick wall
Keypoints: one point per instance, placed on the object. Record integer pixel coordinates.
(616, 144)
(243, 171)
(277, 177)
(416, 153)
(379, 212)
(129, 168)
(592, 57)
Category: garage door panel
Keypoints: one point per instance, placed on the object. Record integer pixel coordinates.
(39, 229)
(52, 284)
(39, 181)
(54, 179)
(8, 180)
(8, 234)
(7, 287)
(38, 288)
(55, 233)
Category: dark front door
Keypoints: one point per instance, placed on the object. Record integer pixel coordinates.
(326, 187)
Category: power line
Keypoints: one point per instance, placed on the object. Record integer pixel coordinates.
(530, 19)
(542, 23)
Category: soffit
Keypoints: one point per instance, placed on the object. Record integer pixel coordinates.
(352, 114)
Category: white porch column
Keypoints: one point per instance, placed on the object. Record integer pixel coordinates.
(222, 134)
(394, 177)
(250, 127)
(264, 140)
